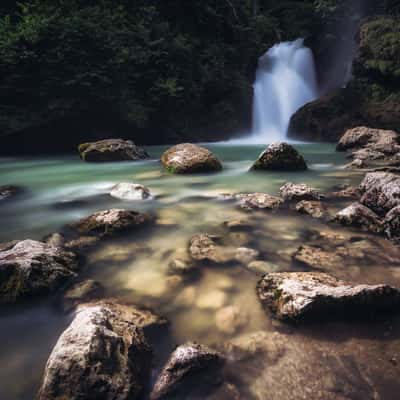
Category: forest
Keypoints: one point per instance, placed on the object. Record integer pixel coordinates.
(153, 71)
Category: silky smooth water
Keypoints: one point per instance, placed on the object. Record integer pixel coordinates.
(285, 81)
(134, 268)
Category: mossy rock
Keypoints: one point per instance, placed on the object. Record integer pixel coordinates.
(187, 158)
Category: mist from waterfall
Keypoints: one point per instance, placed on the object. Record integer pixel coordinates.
(285, 81)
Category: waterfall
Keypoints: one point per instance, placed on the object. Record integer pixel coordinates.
(285, 81)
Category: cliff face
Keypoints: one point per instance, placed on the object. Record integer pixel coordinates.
(372, 97)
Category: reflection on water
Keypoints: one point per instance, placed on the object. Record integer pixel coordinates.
(217, 304)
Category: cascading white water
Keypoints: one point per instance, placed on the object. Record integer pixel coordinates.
(285, 81)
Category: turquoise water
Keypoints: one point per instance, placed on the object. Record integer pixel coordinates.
(58, 191)
(61, 190)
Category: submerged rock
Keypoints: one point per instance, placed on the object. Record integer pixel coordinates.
(206, 247)
(30, 268)
(346, 191)
(82, 292)
(55, 239)
(109, 222)
(8, 191)
(181, 267)
(230, 319)
(191, 370)
(262, 267)
(299, 192)
(317, 258)
(359, 216)
(103, 354)
(280, 157)
(187, 158)
(297, 295)
(111, 150)
(314, 208)
(130, 191)
(212, 299)
(381, 191)
(254, 201)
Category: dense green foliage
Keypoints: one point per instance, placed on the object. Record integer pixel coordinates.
(174, 68)
(150, 70)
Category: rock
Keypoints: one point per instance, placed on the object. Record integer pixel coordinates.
(381, 191)
(359, 216)
(314, 208)
(254, 201)
(111, 150)
(262, 267)
(356, 164)
(181, 267)
(186, 297)
(225, 283)
(82, 292)
(362, 136)
(280, 157)
(298, 192)
(81, 243)
(8, 245)
(340, 254)
(369, 145)
(31, 268)
(245, 255)
(230, 319)
(392, 223)
(8, 191)
(211, 300)
(110, 222)
(257, 360)
(103, 354)
(298, 295)
(55, 239)
(205, 247)
(350, 192)
(192, 369)
(130, 191)
(238, 225)
(325, 119)
(318, 258)
(187, 158)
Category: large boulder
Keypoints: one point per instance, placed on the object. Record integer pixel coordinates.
(359, 216)
(110, 222)
(111, 150)
(29, 268)
(103, 354)
(370, 147)
(299, 295)
(362, 136)
(298, 192)
(381, 191)
(191, 370)
(130, 191)
(187, 158)
(280, 157)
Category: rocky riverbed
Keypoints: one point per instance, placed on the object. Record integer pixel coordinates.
(151, 280)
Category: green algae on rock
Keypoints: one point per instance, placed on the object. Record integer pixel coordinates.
(187, 158)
